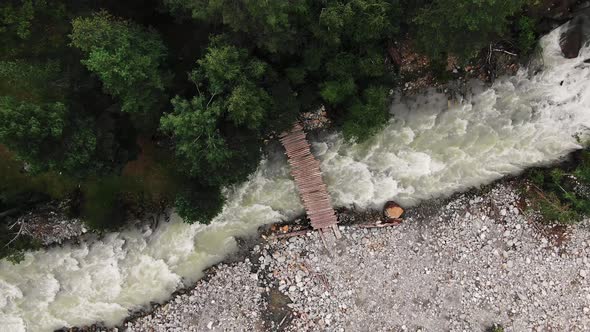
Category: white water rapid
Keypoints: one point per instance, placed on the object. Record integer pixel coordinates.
(426, 150)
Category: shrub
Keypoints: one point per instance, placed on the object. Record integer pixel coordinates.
(560, 195)
(199, 204)
(496, 328)
(127, 58)
(526, 35)
(462, 27)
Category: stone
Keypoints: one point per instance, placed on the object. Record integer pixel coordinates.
(576, 34)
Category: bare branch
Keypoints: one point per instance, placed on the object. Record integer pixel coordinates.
(504, 51)
(22, 226)
(211, 99)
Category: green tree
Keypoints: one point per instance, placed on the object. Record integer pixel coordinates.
(271, 24)
(462, 27)
(199, 203)
(228, 73)
(218, 131)
(18, 19)
(31, 82)
(32, 28)
(127, 58)
(358, 21)
(526, 34)
(29, 129)
(40, 127)
(200, 143)
(355, 34)
(48, 137)
(312, 53)
(367, 114)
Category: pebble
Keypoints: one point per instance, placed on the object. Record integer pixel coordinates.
(458, 271)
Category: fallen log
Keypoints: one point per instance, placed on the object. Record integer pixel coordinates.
(381, 225)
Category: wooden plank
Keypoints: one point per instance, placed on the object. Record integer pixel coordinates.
(306, 171)
(336, 231)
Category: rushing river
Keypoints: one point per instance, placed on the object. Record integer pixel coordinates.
(427, 150)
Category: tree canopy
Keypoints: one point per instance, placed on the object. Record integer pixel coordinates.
(127, 59)
(462, 27)
(89, 88)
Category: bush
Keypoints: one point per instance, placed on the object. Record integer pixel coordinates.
(127, 58)
(462, 27)
(102, 207)
(526, 35)
(365, 117)
(560, 195)
(496, 328)
(199, 204)
(13, 249)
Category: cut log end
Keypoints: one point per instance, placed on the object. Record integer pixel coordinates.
(392, 210)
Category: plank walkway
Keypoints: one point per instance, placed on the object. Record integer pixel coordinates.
(308, 178)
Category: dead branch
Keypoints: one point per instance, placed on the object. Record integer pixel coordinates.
(387, 224)
(540, 193)
(22, 226)
(282, 321)
(504, 51)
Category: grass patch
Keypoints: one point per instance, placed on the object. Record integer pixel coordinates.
(495, 328)
(561, 194)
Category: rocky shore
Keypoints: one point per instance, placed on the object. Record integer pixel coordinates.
(462, 264)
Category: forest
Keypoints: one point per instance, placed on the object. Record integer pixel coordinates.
(126, 107)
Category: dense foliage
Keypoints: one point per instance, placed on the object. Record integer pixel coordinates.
(462, 27)
(125, 57)
(133, 105)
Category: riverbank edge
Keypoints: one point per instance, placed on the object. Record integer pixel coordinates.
(352, 218)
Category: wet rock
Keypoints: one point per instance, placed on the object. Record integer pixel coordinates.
(576, 34)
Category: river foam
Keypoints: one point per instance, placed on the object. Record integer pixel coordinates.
(428, 149)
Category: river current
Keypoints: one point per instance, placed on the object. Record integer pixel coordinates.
(428, 149)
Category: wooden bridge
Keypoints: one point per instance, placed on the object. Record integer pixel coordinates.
(308, 178)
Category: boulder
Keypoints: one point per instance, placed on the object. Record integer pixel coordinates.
(575, 34)
(392, 211)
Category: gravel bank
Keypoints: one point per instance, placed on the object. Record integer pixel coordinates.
(462, 265)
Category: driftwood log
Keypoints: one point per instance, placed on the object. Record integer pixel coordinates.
(391, 222)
